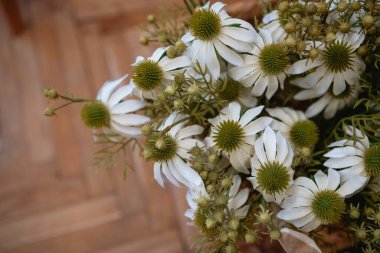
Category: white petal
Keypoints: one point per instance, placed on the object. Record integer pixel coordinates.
(302, 237)
(333, 179)
(236, 182)
(304, 65)
(257, 126)
(157, 174)
(217, 7)
(189, 131)
(260, 152)
(239, 199)
(212, 61)
(307, 183)
(170, 64)
(125, 130)
(119, 94)
(293, 213)
(312, 225)
(250, 115)
(342, 152)
(295, 201)
(130, 119)
(339, 84)
(227, 54)
(352, 186)
(299, 191)
(321, 180)
(318, 106)
(240, 161)
(167, 171)
(108, 87)
(343, 162)
(270, 144)
(127, 106)
(238, 45)
(187, 37)
(239, 33)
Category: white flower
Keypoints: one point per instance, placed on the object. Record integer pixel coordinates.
(337, 65)
(121, 108)
(170, 151)
(236, 199)
(264, 68)
(214, 33)
(152, 73)
(234, 135)
(354, 157)
(295, 126)
(312, 203)
(271, 166)
(273, 25)
(330, 104)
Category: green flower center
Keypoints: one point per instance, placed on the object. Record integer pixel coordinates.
(229, 135)
(273, 177)
(205, 24)
(200, 217)
(273, 59)
(162, 148)
(304, 134)
(328, 206)
(147, 75)
(95, 115)
(372, 160)
(231, 90)
(338, 57)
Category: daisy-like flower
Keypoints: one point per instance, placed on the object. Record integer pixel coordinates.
(213, 33)
(354, 158)
(264, 68)
(170, 150)
(271, 166)
(295, 127)
(273, 24)
(151, 73)
(337, 65)
(114, 111)
(236, 201)
(330, 104)
(311, 203)
(234, 91)
(234, 135)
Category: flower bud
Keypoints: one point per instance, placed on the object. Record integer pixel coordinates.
(147, 153)
(196, 151)
(274, 234)
(301, 45)
(290, 27)
(193, 89)
(376, 235)
(250, 237)
(53, 94)
(369, 5)
(330, 37)
(213, 175)
(202, 201)
(231, 248)
(355, 6)
(313, 53)
(203, 174)
(49, 112)
(361, 233)
(219, 216)
(311, 8)
(226, 182)
(160, 143)
(306, 21)
(354, 213)
(170, 90)
(179, 78)
(264, 218)
(283, 6)
(151, 18)
(180, 47)
(210, 223)
(45, 92)
(223, 236)
(368, 21)
(314, 30)
(290, 41)
(146, 130)
(213, 158)
(210, 188)
(345, 27)
(322, 7)
(197, 166)
(234, 224)
(362, 50)
(178, 104)
(144, 40)
(342, 5)
(161, 96)
(232, 235)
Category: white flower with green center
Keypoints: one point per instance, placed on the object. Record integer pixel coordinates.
(171, 150)
(236, 199)
(330, 104)
(271, 166)
(354, 158)
(234, 135)
(265, 67)
(153, 73)
(213, 33)
(337, 65)
(295, 127)
(114, 110)
(311, 203)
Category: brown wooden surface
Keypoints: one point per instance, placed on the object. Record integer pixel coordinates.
(12, 16)
(50, 199)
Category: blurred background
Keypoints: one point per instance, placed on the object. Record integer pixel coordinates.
(50, 198)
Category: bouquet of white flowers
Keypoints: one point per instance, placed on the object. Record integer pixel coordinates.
(272, 124)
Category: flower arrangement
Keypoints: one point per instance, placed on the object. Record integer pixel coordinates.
(272, 124)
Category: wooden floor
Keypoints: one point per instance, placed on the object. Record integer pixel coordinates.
(50, 199)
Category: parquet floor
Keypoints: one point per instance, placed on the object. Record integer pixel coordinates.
(50, 200)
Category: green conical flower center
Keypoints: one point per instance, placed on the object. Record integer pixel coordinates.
(338, 57)
(162, 148)
(95, 114)
(205, 24)
(231, 90)
(328, 206)
(372, 160)
(304, 134)
(273, 177)
(273, 59)
(147, 75)
(229, 135)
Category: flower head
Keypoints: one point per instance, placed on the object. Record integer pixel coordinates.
(311, 203)
(114, 110)
(212, 34)
(151, 73)
(234, 135)
(271, 166)
(354, 158)
(265, 67)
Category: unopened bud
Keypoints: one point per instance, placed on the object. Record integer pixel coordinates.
(53, 94)
(314, 30)
(274, 234)
(204, 174)
(146, 130)
(232, 235)
(301, 45)
(202, 201)
(179, 78)
(311, 8)
(368, 21)
(345, 27)
(171, 52)
(226, 182)
(290, 42)
(170, 90)
(234, 224)
(250, 237)
(330, 37)
(213, 175)
(283, 6)
(361, 234)
(160, 143)
(322, 7)
(180, 47)
(313, 53)
(210, 223)
(144, 40)
(342, 6)
(210, 188)
(355, 6)
(49, 112)
(151, 18)
(231, 248)
(362, 50)
(147, 153)
(290, 27)
(193, 89)
(196, 151)
(305, 151)
(178, 104)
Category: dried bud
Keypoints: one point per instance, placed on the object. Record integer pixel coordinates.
(307, 21)
(311, 8)
(345, 27)
(342, 5)
(322, 7)
(355, 6)
(369, 5)
(179, 78)
(290, 42)
(314, 30)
